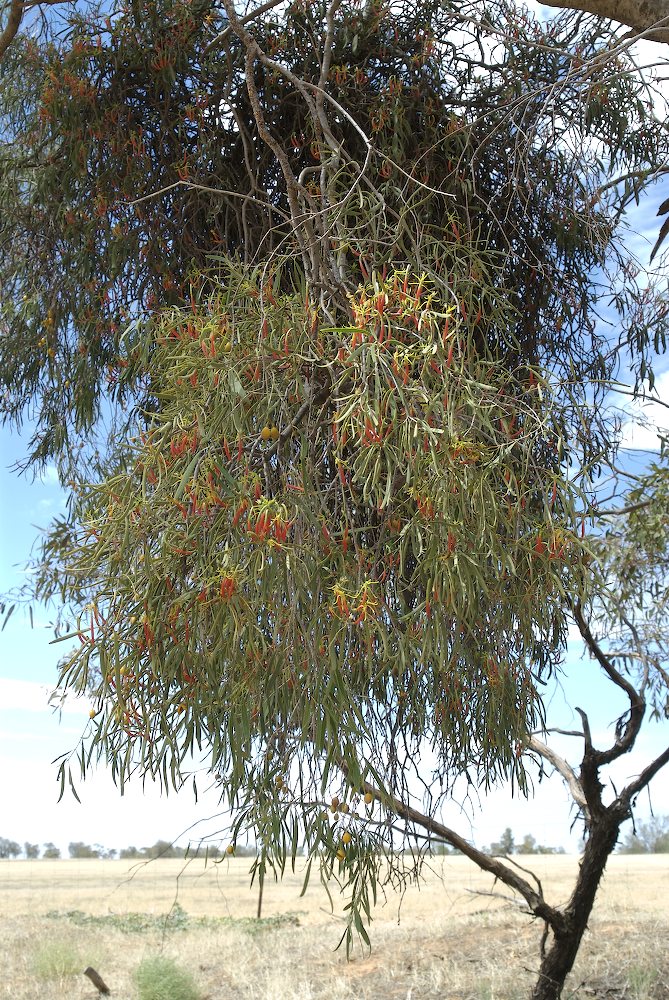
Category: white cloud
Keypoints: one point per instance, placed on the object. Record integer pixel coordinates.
(28, 696)
(647, 418)
(49, 476)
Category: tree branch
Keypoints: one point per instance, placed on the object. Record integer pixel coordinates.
(12, 26)
(563, 768)
(648, 773)
(258, 12)
(649, 19)
(637, 710)
(534, 899)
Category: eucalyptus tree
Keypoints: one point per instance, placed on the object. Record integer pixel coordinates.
(308, 306)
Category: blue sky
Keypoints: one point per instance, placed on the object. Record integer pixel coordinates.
(32, 734)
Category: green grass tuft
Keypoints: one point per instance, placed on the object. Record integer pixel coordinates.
(162, 979)
(641, 982)
(56, 960)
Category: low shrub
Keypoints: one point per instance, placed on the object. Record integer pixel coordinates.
(162, 979)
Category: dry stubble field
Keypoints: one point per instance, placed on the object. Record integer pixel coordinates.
(452, 940)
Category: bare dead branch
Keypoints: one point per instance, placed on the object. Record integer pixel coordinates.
(643, 779)
(209, 190)
(631, 509)
(300, 222)
(246, 19)
(637, 708)
(564, 769)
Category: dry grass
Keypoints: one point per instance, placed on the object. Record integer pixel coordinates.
(452, 942)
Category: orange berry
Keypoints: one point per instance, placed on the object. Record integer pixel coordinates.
(346, 838)
(265, 433)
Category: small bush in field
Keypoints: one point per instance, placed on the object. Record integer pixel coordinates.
(56, 960)
(162, 979)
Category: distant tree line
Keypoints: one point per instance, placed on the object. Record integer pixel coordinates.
(12, 849)
(647, 838)
(651, 837)
(507, 845)
(79, 850)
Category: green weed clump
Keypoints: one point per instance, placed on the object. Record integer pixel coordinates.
(176, 920)
(56, 959)
(162, 979)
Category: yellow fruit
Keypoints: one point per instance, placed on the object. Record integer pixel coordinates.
(274, 433)
(346, 838)
(92, 714)
(227, 347)
(341, 854)
(265, 433)
(230, 849)
(344, 807)
(369, 798)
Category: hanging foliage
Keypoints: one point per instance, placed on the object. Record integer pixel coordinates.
(332, 274)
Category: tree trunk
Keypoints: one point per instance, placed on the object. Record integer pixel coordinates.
(558, 960)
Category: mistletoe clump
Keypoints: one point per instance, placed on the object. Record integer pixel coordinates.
(322, 525)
